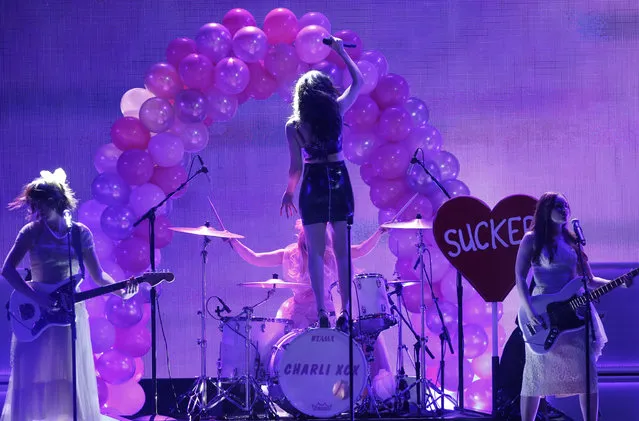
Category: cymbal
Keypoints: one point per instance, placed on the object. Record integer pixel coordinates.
(273, 283)
(404, 283)
(415, 224)
(206, 231)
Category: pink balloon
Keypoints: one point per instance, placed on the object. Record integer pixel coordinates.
(309, 46)
(214, 41)
(385, 215)
(89, 213)
(132, 255)
(475, 340)
(391, 160)
(157, 114)
(392, 89)
(194, 136)
(394, 124)
(331, 70)
(145, 197)
(426, 137)
(449, 289)
(114, 367)
(451, 375)
(102, 245)
(360, 146)
(384, 193)
(134, 341)
(250, 44)
(262, 85)
(479, 395)
(163, 80)
(282, 62)
(95, 306)
(422, 206)
(377, 59)
(135, 166)
(129, 133)
(178, 49)
(480, 312)
(106, 158)
(403, 243)
(280, 26)
(369, 72)
(314, 18)
(125, 399)
(368, 173)
(482, 366)
(139, 369)
(412, 297)
(231, 76)
(169, 179)
(237, 18)
(102, 334)
(196, 71)
(103, 391)
(190, 106)
(163, 235)
(221, 107)
(123, 313)
(351, 37)
(112, 268)
(363, 113)
(449, 311)
(110, 189)
(166, 150)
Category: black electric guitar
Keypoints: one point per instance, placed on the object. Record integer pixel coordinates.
(562, 312)
(29, 320)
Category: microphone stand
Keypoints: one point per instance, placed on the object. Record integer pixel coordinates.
(150, 215)
(74, 332)
(351, 339)
(588, 325)
(460, 311)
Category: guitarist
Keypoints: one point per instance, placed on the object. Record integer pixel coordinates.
(40, 386)
(551, 250)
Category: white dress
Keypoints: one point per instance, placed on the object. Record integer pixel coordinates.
(562, 370)
(40, 386)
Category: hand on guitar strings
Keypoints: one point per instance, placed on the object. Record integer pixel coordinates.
(130, 290)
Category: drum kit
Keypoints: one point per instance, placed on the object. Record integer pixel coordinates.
(265, 366)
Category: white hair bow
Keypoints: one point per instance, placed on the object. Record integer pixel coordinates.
(58, 176)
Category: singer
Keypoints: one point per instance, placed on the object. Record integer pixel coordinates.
(40, 386)
(326, 196)
(551, 250)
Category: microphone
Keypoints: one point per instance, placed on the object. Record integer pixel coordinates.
(413, 161)
(224, 306)
(204, 169)
(576, 227)
(329, 41)
(68, 218)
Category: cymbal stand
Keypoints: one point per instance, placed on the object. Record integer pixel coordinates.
(197, 396)
(248, 379)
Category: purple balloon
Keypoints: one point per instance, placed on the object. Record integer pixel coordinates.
(163, 80)
(117, 222)
(419, 181)
(102, 334)
(135, 166)
(110, 189)
(157, 114)
(214, 41)
(331, 70)
(115, 367)
(426, 137)
(134, 341)
(196, 71)
(106, 158)
(447, 163)
(178, 49)
(456, 188)
(190, 106)
(123, 313)
(90, 212)
(417, 110)
(377, 59)
(232, 76)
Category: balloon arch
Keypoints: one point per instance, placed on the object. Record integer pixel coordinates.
(203, 81)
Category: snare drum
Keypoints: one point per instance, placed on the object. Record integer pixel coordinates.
(309, 372)
(264, 333)
(371, 311)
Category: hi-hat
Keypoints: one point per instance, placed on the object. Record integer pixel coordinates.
(274, 282)
(206, 231)
(415, 224)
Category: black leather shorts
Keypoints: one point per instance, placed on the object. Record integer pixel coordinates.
(326, 194)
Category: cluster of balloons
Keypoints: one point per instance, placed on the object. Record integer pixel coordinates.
(202, 81)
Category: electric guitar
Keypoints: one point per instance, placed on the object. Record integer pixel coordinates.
(29, 320)
(562, 312)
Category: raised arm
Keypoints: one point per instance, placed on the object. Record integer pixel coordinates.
(522, 267)
(366, 246)
(350, 94)
(294, 170)
(266, 259)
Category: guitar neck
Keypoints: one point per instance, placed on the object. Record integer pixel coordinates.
(602, 290)
(81, 296)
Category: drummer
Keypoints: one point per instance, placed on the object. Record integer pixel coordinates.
(293, 259)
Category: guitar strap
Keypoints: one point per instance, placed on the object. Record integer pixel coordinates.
(77, 246)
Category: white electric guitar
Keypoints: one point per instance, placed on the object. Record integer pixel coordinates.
(29, 320)
(562, 312)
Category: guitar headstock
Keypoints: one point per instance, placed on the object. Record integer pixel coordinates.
(155, 278)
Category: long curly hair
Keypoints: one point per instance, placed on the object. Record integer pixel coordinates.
(545, 235)
(45, 193)
(315, 104)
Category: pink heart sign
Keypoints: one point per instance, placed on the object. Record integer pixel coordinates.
(482, 243)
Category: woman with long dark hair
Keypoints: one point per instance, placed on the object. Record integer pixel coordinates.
(40, 386)
(552, 252)
(314, 134)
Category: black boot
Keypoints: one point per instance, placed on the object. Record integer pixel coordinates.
(342, 322)
(323, 319)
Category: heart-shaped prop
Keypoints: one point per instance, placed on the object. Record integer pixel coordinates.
(481, 243)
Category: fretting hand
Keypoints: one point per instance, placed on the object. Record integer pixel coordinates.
(129, 290)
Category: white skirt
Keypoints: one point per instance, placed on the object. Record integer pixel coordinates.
(40, 387)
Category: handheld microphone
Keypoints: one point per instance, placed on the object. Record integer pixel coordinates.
(576, 227)
(68, 219)
(224, 306)
(203, 168)
(413, 161)
(329, 42)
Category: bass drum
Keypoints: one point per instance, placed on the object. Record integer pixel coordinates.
(309, 372)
